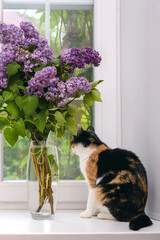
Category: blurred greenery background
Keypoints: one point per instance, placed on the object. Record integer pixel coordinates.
(67, 29)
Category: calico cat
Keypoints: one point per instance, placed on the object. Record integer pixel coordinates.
(116, 178)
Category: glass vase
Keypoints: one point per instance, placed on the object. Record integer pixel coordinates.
(42, 179)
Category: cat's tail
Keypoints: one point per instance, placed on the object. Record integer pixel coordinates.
(139, 221)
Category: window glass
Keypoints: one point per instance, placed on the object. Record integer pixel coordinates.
(68, 28)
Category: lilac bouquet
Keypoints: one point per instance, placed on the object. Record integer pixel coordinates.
(36, 87)
(36, 90)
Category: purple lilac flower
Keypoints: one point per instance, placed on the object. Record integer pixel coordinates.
(57, 93)
(51, 94)
(29, 41)
(72, 56)
(42, 80)
(3, 82)
(77, 58)
(29, 30)
(91, 57)
(10, 34)
(62, 90)
(75, 84)
(7, 56)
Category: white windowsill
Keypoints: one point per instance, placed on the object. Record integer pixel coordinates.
(67, 225)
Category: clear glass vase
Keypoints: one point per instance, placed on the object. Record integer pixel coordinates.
(42, 179)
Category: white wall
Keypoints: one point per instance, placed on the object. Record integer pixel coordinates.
(154, 107)
(140, 76)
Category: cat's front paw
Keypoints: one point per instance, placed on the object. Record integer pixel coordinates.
(85, 214)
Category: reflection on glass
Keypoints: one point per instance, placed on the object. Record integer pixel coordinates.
(68, 29)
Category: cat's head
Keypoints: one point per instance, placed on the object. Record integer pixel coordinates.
(85, 139)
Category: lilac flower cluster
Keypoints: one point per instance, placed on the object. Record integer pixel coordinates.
(7, 56)
(77, 58)
(46, 84)
(29, 31)
(75, 84)
(73, 57)
(42, 80)
(10, 34)
(14, 49)
(91, 57)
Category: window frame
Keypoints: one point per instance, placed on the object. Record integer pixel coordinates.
(73, 193)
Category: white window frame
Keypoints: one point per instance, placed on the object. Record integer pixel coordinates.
(73, 193)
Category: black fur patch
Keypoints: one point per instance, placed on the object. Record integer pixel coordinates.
(86, 138)
(140, 221)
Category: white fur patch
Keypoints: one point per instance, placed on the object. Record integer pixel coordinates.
(98, 180)
(84, 154)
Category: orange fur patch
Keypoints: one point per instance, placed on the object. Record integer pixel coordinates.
(143, 185)
(123, 177)
(133, 163)
(91, 165)
(74, 144)
(100, 196)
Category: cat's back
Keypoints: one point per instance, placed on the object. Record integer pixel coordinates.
(119, 160)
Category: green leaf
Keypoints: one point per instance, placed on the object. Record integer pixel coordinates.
(11, 136)
(29, 104)
(19, 127)
(30, 120)
(1, 101)
(13, 110)
(64, 77)
(14, 79)
(59, 117)
(72, 111)
(21, 87)
(43, 104)
(3, 123)
(13, 88)
(19, 82)
(71, 125)
(56, 62)
(96, 95)
(12, 68)
(31, 48)
(39, 68)
(18, 101)
(41, 121)
(92, 96)
(3, 114)
(88, 99)
(94, 84)
(30, 128)
(60, 132)
(7, 96)
(64, 113)
(54, 109)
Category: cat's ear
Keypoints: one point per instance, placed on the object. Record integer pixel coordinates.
(91, 128)
(79, 129)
